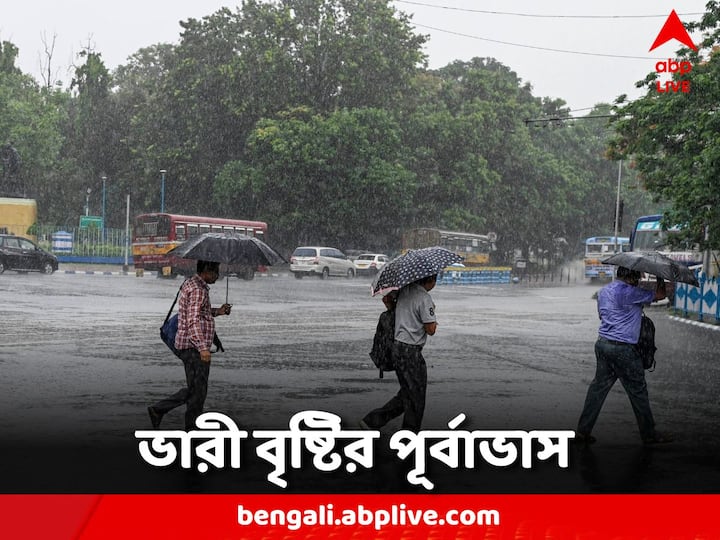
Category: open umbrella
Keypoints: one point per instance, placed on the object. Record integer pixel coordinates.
(655, 263)
(228, 248)
(413, 265)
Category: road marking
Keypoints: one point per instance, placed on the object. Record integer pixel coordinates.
(709, 326)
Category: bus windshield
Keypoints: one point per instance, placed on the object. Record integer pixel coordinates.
(602, 245)
(152, 226)
(597, 248)
(649, 235)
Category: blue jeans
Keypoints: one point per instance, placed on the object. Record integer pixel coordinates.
(617, 361)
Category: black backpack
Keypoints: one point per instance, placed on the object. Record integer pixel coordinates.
(646, 343)
(381, 353)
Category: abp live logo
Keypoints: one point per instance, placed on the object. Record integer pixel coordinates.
(673, 29)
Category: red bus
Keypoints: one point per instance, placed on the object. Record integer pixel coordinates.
(156, 234)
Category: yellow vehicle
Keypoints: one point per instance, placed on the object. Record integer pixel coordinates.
(475, 249)
(17, 216)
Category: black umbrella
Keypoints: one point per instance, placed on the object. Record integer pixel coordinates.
(655, 263)
(413, 265)
(228, 248)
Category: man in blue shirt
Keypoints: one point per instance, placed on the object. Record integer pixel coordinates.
(620, 306)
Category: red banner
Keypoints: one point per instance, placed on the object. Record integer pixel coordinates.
(403, 517)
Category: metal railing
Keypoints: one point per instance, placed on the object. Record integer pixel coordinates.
(83, 242)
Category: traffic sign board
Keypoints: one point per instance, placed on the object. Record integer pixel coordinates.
(91, 222)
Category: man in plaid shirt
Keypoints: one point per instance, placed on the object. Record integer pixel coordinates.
(196, 331)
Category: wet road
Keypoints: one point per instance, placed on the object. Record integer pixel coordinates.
(82, 360)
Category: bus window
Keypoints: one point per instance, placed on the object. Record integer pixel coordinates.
(259, 234)
(216, 228)
(204, 229)
(180, 232)
(228, 229)
(240, 230)
(192, 230)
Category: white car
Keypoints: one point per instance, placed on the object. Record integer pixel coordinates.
(320, 261)
(370, 263)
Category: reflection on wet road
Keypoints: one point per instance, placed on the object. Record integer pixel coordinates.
(82, 359)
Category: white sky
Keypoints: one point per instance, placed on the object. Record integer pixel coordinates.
(118, 29)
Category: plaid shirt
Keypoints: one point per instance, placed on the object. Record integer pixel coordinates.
(196, 326)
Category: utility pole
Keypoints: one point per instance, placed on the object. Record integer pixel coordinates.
(617, 205)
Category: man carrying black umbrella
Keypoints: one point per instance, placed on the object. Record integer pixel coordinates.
(195, 335)
(620, 306)
(414, 321)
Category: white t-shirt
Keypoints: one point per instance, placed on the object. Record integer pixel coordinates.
(414, 308)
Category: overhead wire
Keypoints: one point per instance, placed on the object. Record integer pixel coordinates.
(535, 15)
(539, 15)
(536, 47)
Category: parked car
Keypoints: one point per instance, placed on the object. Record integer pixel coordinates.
(370, 263)
(22, 255)
(320, 261)
(353, 253)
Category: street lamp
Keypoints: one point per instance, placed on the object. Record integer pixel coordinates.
(617, 205)
(162, 190)
(103, 202)
(87, 201)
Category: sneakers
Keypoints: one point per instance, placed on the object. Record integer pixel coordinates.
(155, 417)
(584, 438)
(658, 438)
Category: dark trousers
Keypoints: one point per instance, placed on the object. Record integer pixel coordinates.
(194, 394)
(618, 361)
(411, 372)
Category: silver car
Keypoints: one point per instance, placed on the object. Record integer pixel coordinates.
(320, 261)
(370, 263)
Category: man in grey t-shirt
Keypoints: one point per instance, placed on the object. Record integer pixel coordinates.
(414, 321)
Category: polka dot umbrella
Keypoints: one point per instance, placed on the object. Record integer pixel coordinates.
(413, 265)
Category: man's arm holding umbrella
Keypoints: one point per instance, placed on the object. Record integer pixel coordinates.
(222, 310)
(197, 324)
(660, 292)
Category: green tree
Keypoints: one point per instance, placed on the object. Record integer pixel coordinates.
(30, 119)
(96, 137)
(232, 69)
(671, 137)
(491, 169)
(337, 179)
(8, 55)
(145, 128)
